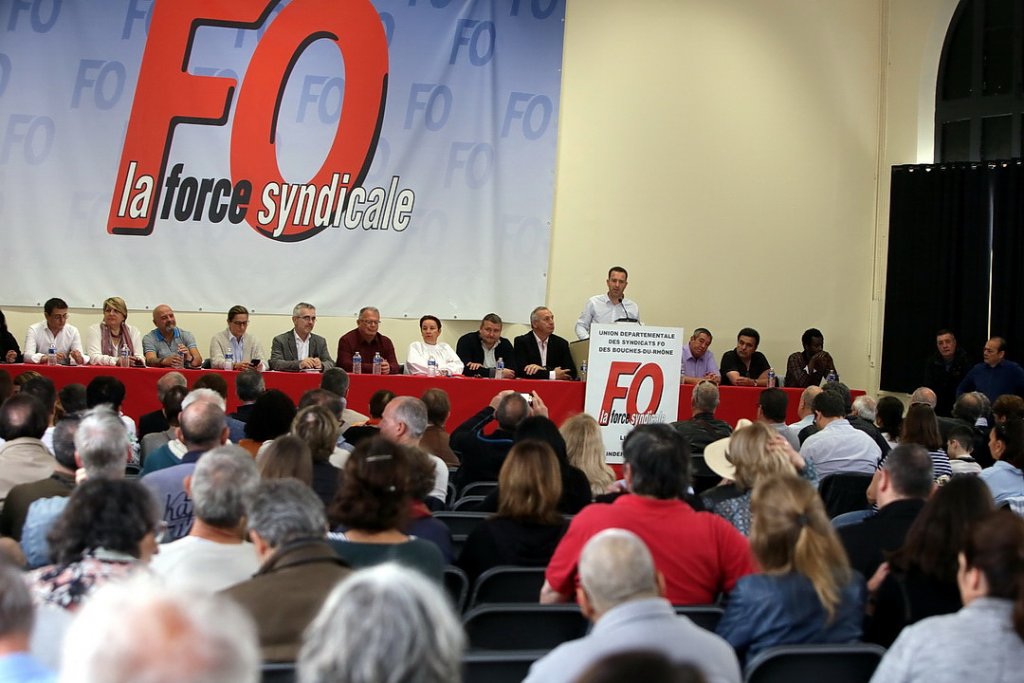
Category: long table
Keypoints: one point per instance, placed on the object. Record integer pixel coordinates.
(468, 395)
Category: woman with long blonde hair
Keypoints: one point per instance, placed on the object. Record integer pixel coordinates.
(806, 592)
(585, 448)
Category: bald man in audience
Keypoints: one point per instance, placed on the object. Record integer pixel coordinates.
(23, 457)
(805, 410)
(156, 421)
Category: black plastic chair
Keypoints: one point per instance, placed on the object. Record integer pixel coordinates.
(850, 663)
(456, 584)
(478, 488)
(507, 584)
(278, 672)
(461, 523)
(467, 504)
(705, 616)
(844, 492)
(498, 667)
(523, 627)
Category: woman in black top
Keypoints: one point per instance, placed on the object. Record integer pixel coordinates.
(10, 352)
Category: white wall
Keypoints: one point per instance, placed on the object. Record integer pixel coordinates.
(733, 155)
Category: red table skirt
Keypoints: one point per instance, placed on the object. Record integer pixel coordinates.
(468, 395)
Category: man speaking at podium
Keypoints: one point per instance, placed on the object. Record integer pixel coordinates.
(612, 307)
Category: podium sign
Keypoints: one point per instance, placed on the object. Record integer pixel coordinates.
(632, 379)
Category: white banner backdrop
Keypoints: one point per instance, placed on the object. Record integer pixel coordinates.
(195, 153)
(632, 379)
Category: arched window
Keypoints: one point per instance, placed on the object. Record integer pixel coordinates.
(979, 97)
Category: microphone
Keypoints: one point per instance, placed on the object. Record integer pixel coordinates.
(628, 318)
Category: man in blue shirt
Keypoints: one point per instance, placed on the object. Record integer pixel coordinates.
(16, 620)
(994, 376)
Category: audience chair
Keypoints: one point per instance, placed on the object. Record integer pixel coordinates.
(461, 523)
(278, 672)
(844, 492)
(498, 667)
(452, 493)
(456, 584)
(508, 584)
(467, 503)
(478, 488)
(523, 627)
(705, 616)
(851, 663)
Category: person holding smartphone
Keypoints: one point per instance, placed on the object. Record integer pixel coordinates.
(246, 350)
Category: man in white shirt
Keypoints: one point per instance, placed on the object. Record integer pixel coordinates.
(805, 409)
(54, 331)
(403, 422)
(838, 447)
(609, 308)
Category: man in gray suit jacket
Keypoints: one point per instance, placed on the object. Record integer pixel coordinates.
(300, 349)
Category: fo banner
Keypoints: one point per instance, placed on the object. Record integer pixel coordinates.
(632, 379)
(206, 153)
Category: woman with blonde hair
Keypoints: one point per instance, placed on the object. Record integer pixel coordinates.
(112, 341)
(585, 448)
(754, 452)
(807, 592)
(287, 457)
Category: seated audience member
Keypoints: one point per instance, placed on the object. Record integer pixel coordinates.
(167, 455)
(435, 439)
(60, 482)
(139, 630)
(640, 665)
(367, 340)
(56, 332)
(330, 402)
(855, 420)
(699, 360)
(700, 554)
(921, 427)
(810, 366)
(772, 404)
(287, 526)
(904, 484)
(838, 446)
(17, 618)
(156, 421)
(384, 610)
(421, 522)
(287, 457)
(71, 399)
(421, 353)
(23, 456)
(585, 449)
(971, 410)
(404, 421)
(1004, 479)
(528, 526)
(44, 389)
(300, 349)
(372, 508)
(10, 352)
(703, 428)
(609, 308)
(984, 641)
(919, 579)
(745, 366)
(171, 407)
(889, 419)
(169, 346)
(480, 351)
(319, 429)
(371, 427)
(805, 411)
(272, 415)
(246, 350)
(336, 381)
(249, 386)
(113, 339)
(865, 407)
(540, 353)
(806, 592)
(482, 455)
(944, 371)
(995, 375)
(109, 529)
(1007, 407)
(752, 454)
(214, 554)
(110, 391)
(24, 378)
(959, 448)
(623, 593)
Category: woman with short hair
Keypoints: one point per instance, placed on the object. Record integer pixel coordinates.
(107, 342)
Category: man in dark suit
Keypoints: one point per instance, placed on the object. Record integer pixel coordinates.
(300, 349)
(542, 354)
(481, 350)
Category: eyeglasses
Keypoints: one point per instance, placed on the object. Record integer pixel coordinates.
(241, 323)
(369, 322)
(308, 318)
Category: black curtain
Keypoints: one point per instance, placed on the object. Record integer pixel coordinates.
(1008, 255)
(938, 267)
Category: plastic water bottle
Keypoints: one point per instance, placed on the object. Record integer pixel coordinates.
(184, 358)
(432, 368)
(499, 369)
(772, 379)
(357, 363)
(583, 371)
(229, 360)
(377, 361)
(51, 354)
(831, 376)
(125, 360)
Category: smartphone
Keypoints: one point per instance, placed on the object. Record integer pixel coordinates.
(528, 397)
(254, 362)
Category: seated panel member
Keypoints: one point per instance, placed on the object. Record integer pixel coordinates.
(164, 345)
(244, 347)
(612, 307)
(542, 354)
(104, 341)
(745, 366)
(420, 353)
(481, 350)
(56, 330)
(699, 360)
(300, 349)
(808, 367)
(367, 340)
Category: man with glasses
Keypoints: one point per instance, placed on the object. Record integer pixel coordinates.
(246, 350)
(367, 340)
(299, 349)
(54, 331)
